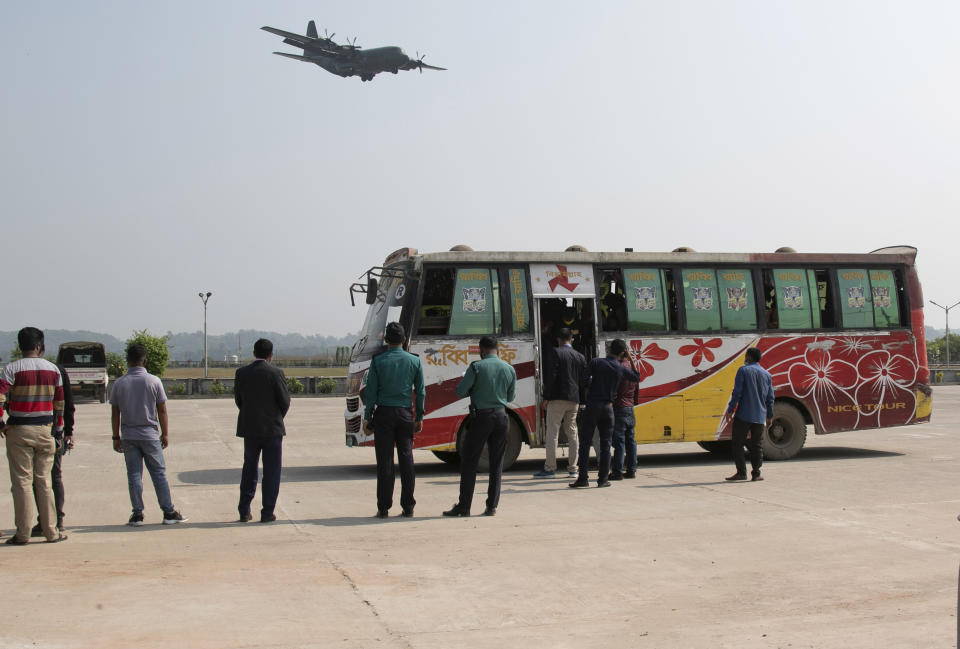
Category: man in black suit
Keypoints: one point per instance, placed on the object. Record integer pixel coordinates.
(260, 392)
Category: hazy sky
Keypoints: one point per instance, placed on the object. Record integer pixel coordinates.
(154, 150)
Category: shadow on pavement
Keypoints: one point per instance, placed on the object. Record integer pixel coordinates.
(515, 476)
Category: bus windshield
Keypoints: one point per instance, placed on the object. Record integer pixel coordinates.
(390, 298)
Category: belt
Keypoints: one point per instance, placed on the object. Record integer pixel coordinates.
(498, 408)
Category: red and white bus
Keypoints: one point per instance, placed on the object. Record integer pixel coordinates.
(842, 335)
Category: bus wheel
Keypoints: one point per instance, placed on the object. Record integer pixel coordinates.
(719, 447)
(786, 434)
(450, 457)
(510, 455)
(103, 394)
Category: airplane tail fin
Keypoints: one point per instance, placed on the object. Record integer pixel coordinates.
(312, 29)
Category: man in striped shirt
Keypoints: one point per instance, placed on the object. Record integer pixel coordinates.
(31, 393)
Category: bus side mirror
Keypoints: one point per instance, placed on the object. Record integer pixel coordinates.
(371, 290)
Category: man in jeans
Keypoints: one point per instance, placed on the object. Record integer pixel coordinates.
(624, 441)
(562, 379)
(139, 421)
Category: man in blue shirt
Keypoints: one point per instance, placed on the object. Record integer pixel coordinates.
(602, 377)
(751, 406)
(394, 399)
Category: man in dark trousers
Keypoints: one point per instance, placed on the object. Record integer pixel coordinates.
(491, 384)
(563, 369)
(394, 399)
(56, 477)
(260, 392)
(751, 406)
(603, 376)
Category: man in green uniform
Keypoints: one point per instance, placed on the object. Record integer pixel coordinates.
(491, 385)
(395, 377)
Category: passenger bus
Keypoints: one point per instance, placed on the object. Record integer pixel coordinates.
(842, 335)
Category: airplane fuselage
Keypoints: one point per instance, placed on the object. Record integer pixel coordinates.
(362, 63)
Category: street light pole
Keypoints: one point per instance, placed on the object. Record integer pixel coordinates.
(205, 298)
(946, 311)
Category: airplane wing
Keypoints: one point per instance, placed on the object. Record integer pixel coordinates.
(295, 56)
(297, 38)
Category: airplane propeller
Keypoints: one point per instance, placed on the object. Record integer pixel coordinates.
(421, 65)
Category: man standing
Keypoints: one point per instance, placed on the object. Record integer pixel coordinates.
(562, 381)
(751, 406)
(32, 390)
(491, 384)
(393, 417)
(603, 376)
(624, 441)
(139, 419)
(260, 392)
(56, 474)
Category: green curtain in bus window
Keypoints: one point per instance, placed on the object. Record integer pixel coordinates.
(473, 302)
(883, 289)
(519, 303)
(855, 299)
(736, 299)
(817, 300)
(646, 306)
(701, 299)
(793, 298)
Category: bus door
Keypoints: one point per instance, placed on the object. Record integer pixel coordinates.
(564, 296)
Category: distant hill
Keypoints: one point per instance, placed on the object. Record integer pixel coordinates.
(189, 346)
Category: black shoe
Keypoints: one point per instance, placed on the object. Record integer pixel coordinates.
(174, 517)
(245, 518)
(267, 518)
(605, 483)
(579, 484)
(13, 540)
(629, 475)
(490, 511)
(407, 513)
(382, 513)
(736, 477)
(457, 510)
(756, 476)
(136, 519)
(36, 531)
(615, 475)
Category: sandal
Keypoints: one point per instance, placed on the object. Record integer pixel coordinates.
(62, 537)
(13, 540)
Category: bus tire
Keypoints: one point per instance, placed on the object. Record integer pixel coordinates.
(510, 455)
(450, 457)
(103, 394)
(718, 447)
(787, 433)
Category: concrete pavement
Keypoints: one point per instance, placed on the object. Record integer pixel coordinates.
(852, 544)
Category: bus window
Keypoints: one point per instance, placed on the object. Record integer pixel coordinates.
(645, 299)
(700, 299)
(824, 316)
(737, 312)
(519, 302)
(855, 298)
(886, 298)
(613, 305)
(476, 303)
(437, 300)
(793, 298)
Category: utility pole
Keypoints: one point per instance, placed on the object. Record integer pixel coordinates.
(946, 338)
(205, 298)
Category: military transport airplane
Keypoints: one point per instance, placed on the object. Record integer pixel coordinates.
(347, 60)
